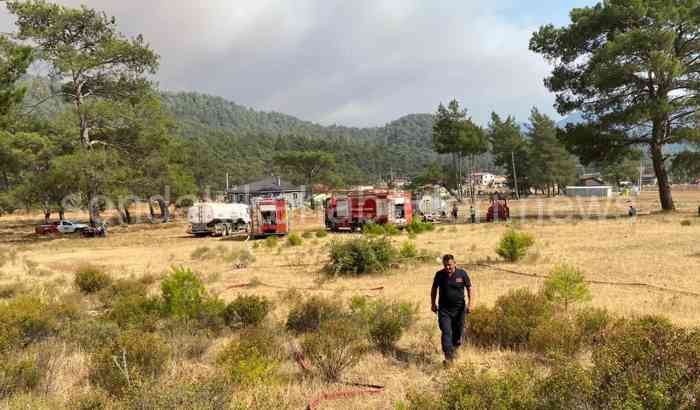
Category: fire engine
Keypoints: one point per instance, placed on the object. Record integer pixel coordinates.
(269, 217)
(352, 209)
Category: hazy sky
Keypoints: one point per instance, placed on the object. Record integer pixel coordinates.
(348, 62)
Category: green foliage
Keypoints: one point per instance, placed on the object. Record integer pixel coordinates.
(271, 242)
(307, 235)
(308, 315)
(25, 320)
(568, 386)
(136, 311)
(247, 310)
(90, 334)
(181, 393)
(514, 245)
(373, 229)
(133, 358)
(21, 373)
(686, 222)
(512, 320)
(592, 323)
(337, 347)
(251, 359)
(469, 388)
(91, 279)
(183, 293)
(94, 399)
(294, 240)
(385, 321)
(417, 227)
(510, 147)
(556, 335)
(360, 256)
(646, 363)
(321, 234)
(408, 250)
(549, 163)
(566, 286)
(14, 62)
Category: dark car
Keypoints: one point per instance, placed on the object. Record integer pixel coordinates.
(46, 229)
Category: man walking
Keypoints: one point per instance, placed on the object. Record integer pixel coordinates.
(451, 309)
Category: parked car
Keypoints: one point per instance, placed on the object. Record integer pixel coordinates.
(45, 229)
(99, 231)
(71, 227)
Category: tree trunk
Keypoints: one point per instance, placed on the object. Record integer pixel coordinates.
(47, 215)
(61, 213)
(151, 211)
(657, 158)
(94, 213)
(164, 212)
(127, 214)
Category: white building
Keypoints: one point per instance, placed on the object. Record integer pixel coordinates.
(483, 178)
(589, 191)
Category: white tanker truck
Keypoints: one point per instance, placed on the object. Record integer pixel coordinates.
(220, 219)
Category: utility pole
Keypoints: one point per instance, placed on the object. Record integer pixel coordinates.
(515, 175)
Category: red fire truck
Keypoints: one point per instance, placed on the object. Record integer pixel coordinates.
(269, 217)
(352, 209)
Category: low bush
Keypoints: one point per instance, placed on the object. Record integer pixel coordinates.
(136, 311)
(11, 290)
(241, 258)
(321, 234)
(512, 320)
(181, 393)
(183, 293)
(514, 245)
(686, 222)
(360, 256)
(133, 358)
(408, 250)
(122, 288)
(294, 240)
(592, 324)
(252, 359)
(20, 374)
(94, 399)
(308, 315)
(247, 311)
(646, 363)
(556, 335)
(271, 242)
(25, 320)
(337, 347)
(391, 230)
(307, 235)
(91, 279)
(417, 227)
(385, 321)
(90, 334)
(372, 229)
(568, 386)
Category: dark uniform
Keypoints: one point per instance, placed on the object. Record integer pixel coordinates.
(451, 307)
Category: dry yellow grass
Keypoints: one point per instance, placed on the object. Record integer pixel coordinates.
(653, 248)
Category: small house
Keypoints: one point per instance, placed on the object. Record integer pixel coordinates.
(604, 191)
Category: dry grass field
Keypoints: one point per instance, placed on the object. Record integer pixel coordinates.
(596, 236)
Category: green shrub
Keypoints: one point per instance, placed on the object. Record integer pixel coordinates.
(25, 320)
(122, 288)
(321, 234)
(566, 286)
(337, 347)
(294, 239)
(133, 358)
(385, 321)
(136, 311)
(308, 315)
(90, 334)
(592, 323)
(469, 388)
(181, 393)
(241, 258)
(20, 374)
(360, 256)
(556, 335)
(251, 359)
(90, 279)
(183, 293)
(417, 227)
(391, 230)
(247, 311)
(482, 327)
(514, 245)
(686, 222)
(190, 344)
(568, 386)
(408, 250)
(271, 242)
(646, 363)
(307, 235)
(373, 229)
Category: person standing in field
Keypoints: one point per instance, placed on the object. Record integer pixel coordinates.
(450, 284)
(455, 212)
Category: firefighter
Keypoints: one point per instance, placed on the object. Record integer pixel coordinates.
(450, 283)
(455, 212)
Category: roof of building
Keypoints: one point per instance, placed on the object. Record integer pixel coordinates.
(267, 184)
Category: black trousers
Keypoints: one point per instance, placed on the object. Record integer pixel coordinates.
(451, 322)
